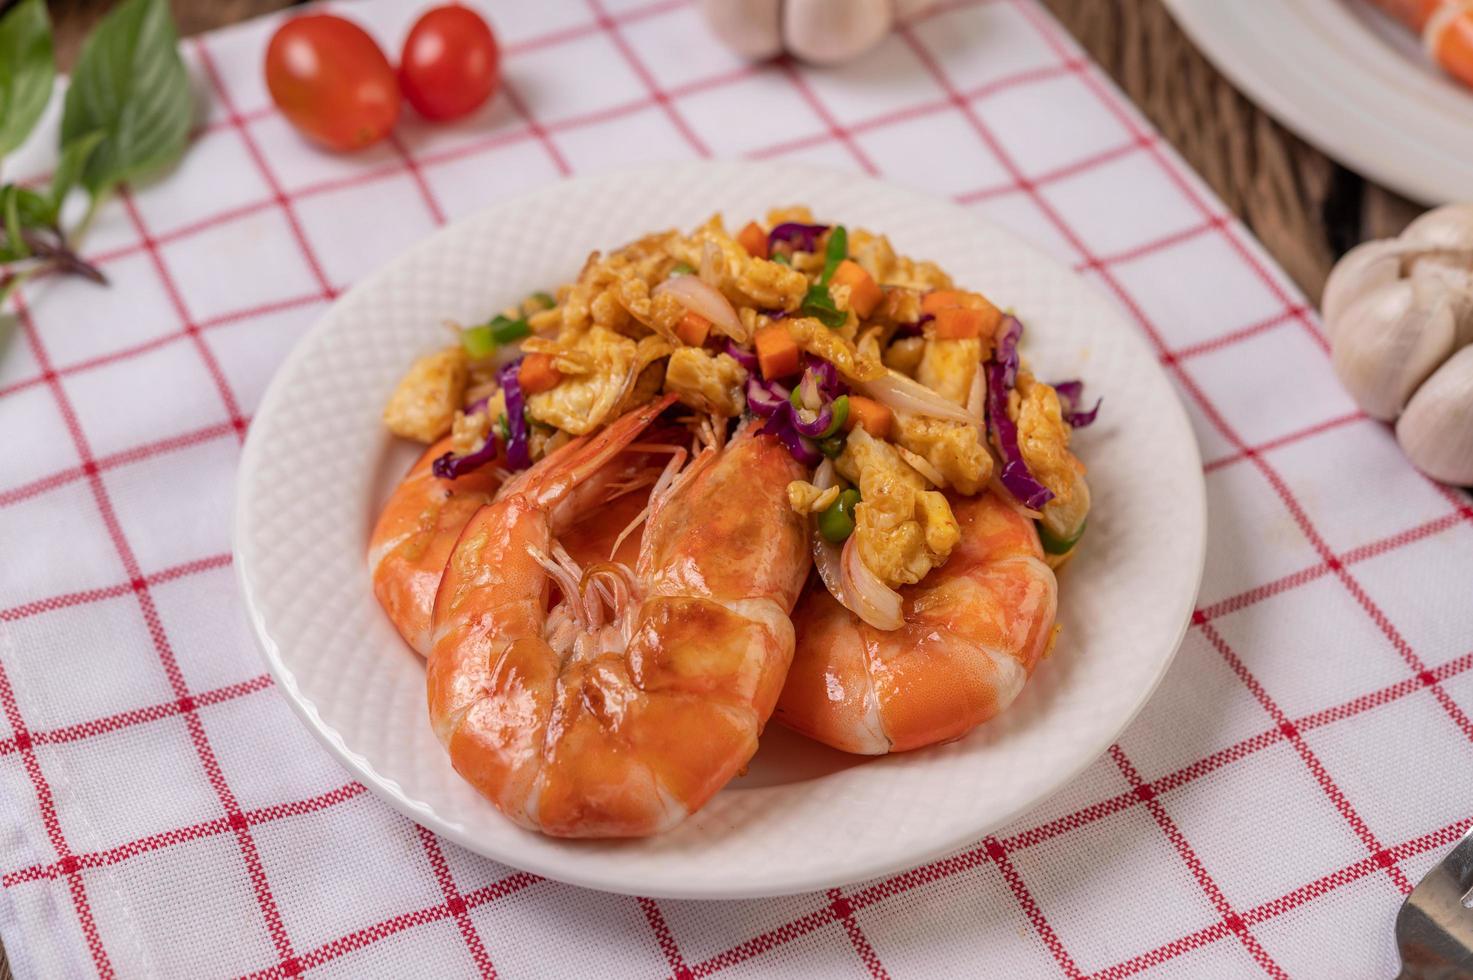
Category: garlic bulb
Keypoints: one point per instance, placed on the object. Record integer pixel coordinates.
(823, 32)
(1399, 316)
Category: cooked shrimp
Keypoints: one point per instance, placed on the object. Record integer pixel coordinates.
(413, 537)
(611, 701)
(1446, 28)
(974, 629)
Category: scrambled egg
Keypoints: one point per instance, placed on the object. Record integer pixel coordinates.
(744, 280)
(947, 367)
(902, 530)
(877, 257)
(954, 448)
(1043, 436)
(706, 382)
(598, 367)
(424, 404)
(833, 346)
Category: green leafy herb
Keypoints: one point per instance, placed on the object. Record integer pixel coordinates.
(503, 427)
(27, 71)
(781, 258)
(478, 342)
(836, 251)
(682, 269)
(74, 157)
(505, 330)
(543, 300)
(130, 85)
(15, 242)
(819, 304)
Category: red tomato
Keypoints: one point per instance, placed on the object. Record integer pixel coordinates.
(450, 63)
(332, 81)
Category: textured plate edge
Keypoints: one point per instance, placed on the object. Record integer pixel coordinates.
(1262, 87)
(389, 791)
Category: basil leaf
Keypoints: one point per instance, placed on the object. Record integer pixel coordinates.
(26, 71)
(131, 85)
(74, 157)
(32, 208)
(836, 251)
(819, 304)
(10, 209)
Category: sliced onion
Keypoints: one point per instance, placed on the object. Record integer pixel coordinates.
(903, 394)
(977, 394)
(808, 391)
(825, 552)
(703, 299)
(923, 466)
(869, 598)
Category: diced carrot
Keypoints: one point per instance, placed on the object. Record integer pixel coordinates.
(538, 373)
(874, 417)
(777, 354)
(864, 293)
(958, 323)
(942, 299)
(692, 329)
(754, 240)
(938, 300)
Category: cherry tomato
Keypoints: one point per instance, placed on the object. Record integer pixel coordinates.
(450, 63)
(332, 81)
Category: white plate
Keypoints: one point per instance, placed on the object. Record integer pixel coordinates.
(1349, 80)
(318, 464)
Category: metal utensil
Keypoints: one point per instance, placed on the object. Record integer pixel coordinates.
(1434, 928)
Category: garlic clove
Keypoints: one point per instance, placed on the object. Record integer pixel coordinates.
(826, 32)
(751, 28)
(1449, 227)
(1388, 342)
(1444, 274)
(1363, 269)
(1436, 430)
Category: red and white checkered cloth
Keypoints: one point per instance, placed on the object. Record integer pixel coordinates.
(163, 813)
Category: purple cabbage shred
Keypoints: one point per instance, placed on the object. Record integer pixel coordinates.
(1002, 374)
(802, 237)
(1071, 397)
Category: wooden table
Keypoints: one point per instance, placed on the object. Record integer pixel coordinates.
(1306, 208)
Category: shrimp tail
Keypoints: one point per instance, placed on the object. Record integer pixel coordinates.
(555, 477)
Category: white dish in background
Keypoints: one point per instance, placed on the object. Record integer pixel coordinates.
(318, 465)
(1349, 80)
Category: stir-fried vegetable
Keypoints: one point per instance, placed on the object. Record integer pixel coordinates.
(481, 341)
(1002, 372)
(792, 234)
(873, 368)
(518, 451)
(1071, 396)
(836, 522)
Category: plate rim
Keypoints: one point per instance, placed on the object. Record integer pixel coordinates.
(1274, 86)
(389, 791)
